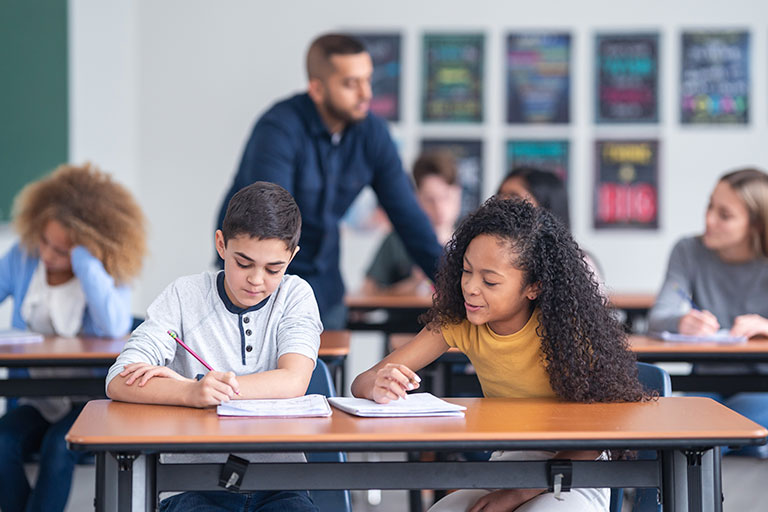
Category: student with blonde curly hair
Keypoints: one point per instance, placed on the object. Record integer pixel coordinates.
(82, 238)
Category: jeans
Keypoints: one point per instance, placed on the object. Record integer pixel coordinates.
(23, 431)
(335, 318)
(259, 501)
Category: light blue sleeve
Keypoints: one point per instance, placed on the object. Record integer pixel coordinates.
(6, 274)
(108, 306)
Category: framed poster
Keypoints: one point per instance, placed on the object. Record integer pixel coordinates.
(547, 155)
(385, 82)
(538, 78)
(469, 160)
(714, 79)
(627, 78)
(452, 88)
(626, 191)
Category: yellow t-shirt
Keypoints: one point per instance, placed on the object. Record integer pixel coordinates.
(510, 366)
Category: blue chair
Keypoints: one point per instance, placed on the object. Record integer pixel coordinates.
(653, 378)
(327, 501)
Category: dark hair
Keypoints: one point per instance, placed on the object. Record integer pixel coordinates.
(326, 46)
(440, 163)
(546, 187)
(584, 347)
(263, 210)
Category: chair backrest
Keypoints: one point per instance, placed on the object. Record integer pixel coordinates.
(327, 501)
(653, 378)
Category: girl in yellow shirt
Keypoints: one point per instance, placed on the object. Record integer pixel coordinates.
(516, 296)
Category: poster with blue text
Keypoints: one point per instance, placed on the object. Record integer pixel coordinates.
(453, 78)
(627, 78)
(626, 184)
(538, 78)
(547, 155)
(714, 87)
(385, 82)
(469, 160)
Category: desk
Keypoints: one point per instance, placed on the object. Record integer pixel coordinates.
(402, 311)
(55, 351)
(754, 351)
(682, 429)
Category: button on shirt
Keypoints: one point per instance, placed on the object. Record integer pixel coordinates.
(291, 146)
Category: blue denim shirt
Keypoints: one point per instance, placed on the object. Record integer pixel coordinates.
(291, 146)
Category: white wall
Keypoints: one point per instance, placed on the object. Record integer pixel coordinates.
(164, 94)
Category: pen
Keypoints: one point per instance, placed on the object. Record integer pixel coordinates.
(687, 297)
(175, 336)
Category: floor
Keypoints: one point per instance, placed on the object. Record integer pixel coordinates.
(743, 479)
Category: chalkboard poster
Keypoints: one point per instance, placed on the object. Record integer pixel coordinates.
(453, 78)
(547, 155)
(626, 184)
(469, 160)
(385, 53)
(627, 81)
(538, 78)
(714, 84)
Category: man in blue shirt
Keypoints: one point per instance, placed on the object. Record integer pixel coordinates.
(324, 147)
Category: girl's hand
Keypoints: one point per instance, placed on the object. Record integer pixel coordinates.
(504, 500)
(215, 388)
(393, 382)
(145, 371)
(698, 323)
(749, 326)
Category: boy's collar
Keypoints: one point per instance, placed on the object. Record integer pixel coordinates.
(229, 304)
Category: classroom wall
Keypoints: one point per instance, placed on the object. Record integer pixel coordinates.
(164, 94)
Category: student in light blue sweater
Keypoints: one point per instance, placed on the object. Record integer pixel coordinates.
(82, 239)
(258, 328)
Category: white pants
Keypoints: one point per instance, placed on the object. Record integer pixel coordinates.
(576, 500)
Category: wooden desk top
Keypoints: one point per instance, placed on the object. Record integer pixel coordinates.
(489, 422)
(646, 345)
(64, 349)
(632, 300)
(57, 349)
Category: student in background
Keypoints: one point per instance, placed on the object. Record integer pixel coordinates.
(256, 326)
(82, 239)
(724, 272)
(324, 147)
(545, 189)
(439, 194)
(515, 295)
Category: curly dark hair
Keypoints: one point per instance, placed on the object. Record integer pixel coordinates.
(584, 347)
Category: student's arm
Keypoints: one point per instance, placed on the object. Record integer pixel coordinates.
(289, 380)
(109, 305)
(7, 273)
(669, 310)
(394, 375)
(397, 197)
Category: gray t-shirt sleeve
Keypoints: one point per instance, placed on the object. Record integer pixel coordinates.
(299, 329)
(391, 263)
(150, 342)
(670, 306)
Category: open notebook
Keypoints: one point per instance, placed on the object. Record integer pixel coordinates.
(13, 336)
(306, 406)
(721, 336)
(417, 404)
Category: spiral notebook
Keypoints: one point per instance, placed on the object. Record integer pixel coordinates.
(303, 406)
(417, 404)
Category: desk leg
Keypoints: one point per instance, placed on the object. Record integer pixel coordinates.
(125, 481)
(694, 479)
(151, 503)
(106, 468)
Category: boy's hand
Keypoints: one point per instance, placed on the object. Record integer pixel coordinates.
(393, 382)
(698, 323)
(145, 371)
(214, 389)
